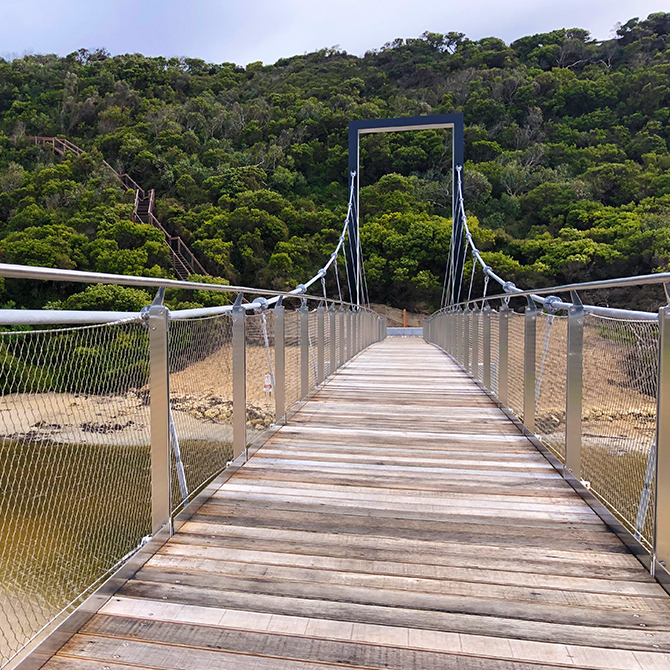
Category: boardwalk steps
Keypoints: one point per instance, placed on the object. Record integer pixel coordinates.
(398, 521)
(184, 262)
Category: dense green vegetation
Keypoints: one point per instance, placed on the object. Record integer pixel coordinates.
(567, 148)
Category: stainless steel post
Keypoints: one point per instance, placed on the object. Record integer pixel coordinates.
(449, 330)
(160, 417)
(503, 355)
(486, 333)
(466, 339)
(662, 534)
(343, 341)
(354, 334)
(529, 356)
(458, 336)
(573, 388)
(320, 344)
(475, 344)
(280, 362)
(333, 339)
(239, 380)
(304, 350)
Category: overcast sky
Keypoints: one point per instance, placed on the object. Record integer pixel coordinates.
(244, 31)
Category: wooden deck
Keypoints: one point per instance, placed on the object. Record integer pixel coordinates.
(398, 521)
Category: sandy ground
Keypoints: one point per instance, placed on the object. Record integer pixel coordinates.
(394, 316)
(200, 397)
(615, 412)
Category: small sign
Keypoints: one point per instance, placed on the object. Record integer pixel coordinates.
(267, 387)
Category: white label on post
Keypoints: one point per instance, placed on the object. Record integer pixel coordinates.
(267, 387)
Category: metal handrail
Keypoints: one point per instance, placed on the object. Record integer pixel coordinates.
(10, 317)
(555, 304)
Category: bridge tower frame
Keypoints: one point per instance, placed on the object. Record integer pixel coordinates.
(369, 126)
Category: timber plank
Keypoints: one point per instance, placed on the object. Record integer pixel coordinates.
(378, 594)
(473, 624)
(413, 584)
(470, 574)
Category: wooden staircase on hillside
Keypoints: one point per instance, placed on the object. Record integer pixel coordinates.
(184, 262)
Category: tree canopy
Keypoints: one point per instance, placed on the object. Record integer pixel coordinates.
(567, 148)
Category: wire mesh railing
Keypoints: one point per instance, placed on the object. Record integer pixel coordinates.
(260, 377)
(619, 416)
(494, 351)
(75, 476)
(201, 402)
(516, 363)
(550, 387)
(589, 386)
(292, 357)
(108, 431)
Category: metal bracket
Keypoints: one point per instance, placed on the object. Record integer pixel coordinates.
(158, 298)
(549, 304)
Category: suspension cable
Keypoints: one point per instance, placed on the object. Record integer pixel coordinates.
(337, 280)
(472, 278)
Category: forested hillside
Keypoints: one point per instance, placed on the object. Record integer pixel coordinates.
(567, 149)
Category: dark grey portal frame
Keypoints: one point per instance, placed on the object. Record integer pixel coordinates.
(367, 126)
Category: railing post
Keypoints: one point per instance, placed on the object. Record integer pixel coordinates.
(475, 343)
(662, 530)
(529, 346)
(239, 379)
(160, 413)
(466, 339)
(458, 335)
(304, 349)
(573, 387)
(503, 355)
(354, 333)
(320, 344)
(333, 339)
(280, 362)
(449, 327)
(343, 341)
(486, 333)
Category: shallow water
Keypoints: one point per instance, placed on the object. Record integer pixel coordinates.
(68, 514)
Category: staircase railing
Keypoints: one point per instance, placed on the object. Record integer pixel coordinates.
(591, 385)
(184, 261)
(132, 415)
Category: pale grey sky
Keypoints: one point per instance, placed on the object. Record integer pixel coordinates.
(244, 31)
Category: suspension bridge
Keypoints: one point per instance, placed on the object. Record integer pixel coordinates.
(257, 486)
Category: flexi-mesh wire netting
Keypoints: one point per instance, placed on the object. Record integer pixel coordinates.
(495, 351)
(327, 343)
(75, 494)
(260, 373)
(313, 341)
(338, 336)
(619, 417)
(516, 325)
(550, 378)
(292, 357)
(479, 372)
(201, 401)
